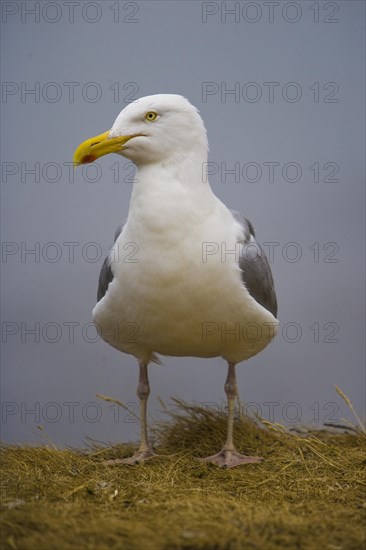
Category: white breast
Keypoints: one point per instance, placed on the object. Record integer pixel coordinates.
(171, 297)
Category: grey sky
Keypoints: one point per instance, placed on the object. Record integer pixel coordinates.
(295, 112)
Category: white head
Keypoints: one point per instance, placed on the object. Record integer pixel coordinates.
(154, 129)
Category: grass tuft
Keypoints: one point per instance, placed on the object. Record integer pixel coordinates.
(308, 493)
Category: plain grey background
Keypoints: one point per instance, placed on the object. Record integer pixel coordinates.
(297, 71)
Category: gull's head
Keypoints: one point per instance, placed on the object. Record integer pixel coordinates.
(154, 129)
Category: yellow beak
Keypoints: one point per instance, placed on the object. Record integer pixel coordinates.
(97, 146)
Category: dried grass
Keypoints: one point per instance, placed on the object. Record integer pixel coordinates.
(308, 494)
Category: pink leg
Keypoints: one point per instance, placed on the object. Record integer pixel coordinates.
(228, 457)
(144, 452)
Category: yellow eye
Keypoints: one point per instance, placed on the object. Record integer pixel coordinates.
(151, 116)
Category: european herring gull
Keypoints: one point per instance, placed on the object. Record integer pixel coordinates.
(185, 276)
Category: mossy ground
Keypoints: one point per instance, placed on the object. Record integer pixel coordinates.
(309, 493)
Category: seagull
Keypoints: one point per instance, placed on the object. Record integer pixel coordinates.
(185, 276)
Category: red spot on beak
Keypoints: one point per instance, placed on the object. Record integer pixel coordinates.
(88, 158)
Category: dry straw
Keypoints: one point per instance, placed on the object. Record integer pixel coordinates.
(308, 493)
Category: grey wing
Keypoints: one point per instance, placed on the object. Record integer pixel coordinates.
(106, 275)
(256, 271)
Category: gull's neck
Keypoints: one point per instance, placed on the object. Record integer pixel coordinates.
(185, 167)
(172, 192)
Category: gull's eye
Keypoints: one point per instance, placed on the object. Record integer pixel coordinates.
(151, 116)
